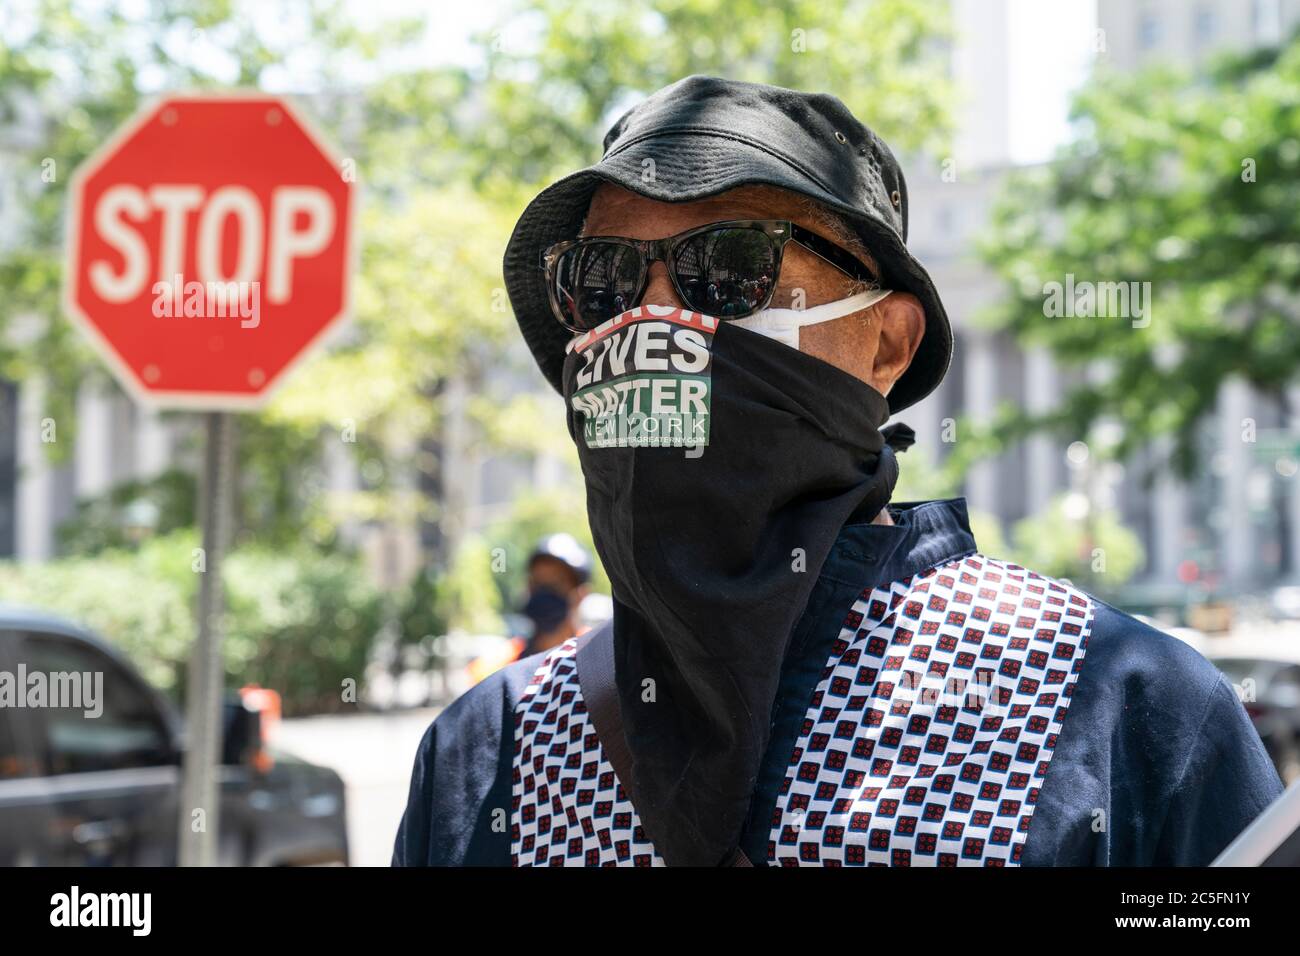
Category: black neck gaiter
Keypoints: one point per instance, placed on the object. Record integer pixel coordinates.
(720, 467)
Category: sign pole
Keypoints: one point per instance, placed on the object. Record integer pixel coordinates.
(200, 804)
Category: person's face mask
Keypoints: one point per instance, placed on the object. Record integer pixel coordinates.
(784, 324)
(720, 467)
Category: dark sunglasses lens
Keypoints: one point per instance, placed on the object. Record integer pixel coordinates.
(726, 273)
(596, 281)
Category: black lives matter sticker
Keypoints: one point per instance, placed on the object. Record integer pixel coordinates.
(645, 379)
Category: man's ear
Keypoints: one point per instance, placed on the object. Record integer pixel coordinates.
(902, 323)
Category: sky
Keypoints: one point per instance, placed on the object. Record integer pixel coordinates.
(1051, 52)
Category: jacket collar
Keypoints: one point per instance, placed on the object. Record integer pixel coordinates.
(923, 535)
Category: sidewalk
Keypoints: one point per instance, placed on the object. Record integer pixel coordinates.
(373, 754)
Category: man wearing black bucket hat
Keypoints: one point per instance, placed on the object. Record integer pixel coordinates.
(799, 671)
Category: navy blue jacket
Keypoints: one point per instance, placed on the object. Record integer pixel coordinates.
(1156, 761)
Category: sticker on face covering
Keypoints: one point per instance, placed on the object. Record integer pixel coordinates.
(645, 379)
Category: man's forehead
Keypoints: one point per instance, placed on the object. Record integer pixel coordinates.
(618, 211)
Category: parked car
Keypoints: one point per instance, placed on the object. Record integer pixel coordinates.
(102, 790)
(1284, 603)
(1267, 677)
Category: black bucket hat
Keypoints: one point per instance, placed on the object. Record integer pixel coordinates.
(702, 136)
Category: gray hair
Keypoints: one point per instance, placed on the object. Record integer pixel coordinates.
(839, 229)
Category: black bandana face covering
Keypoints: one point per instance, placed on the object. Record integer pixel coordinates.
(720, 467)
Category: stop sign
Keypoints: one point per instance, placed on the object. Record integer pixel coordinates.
(209, 247)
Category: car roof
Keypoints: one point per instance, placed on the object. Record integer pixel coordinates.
(1254, 648)
(18, 617)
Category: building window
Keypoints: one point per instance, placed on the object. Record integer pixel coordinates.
(1148, 31)
(946, 221)
(8, 469)
(1204, 26)
(1266, 20)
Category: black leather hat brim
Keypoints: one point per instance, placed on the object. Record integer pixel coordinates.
(684, 166)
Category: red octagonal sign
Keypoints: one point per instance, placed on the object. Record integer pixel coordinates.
(209, 247)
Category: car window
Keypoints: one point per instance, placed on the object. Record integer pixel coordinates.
(1284, 688)
(1237, 669)
(1288, 675)
(12, 763)
(95, 716)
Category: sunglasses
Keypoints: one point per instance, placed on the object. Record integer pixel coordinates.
(727, 270)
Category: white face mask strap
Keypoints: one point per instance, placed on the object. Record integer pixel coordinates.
(788, 320)
(831, 310)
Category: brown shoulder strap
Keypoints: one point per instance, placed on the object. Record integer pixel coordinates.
(595, 663)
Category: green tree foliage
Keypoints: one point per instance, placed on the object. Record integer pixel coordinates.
(281, 501)
(561, 71)
(300, 622)
(129, 512)
(430, 302)
(468, 590)
(533, 516)
(1189, 186)
(296, 620)
(1096, 552)
(153, 628)
(421, 612)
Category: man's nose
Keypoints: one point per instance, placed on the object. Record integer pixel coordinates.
(659, 288)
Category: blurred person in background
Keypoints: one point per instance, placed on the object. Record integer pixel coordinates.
(559, 572)
(799, 671)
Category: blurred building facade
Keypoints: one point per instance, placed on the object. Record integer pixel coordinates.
(1241, 517)
(1240, 521)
